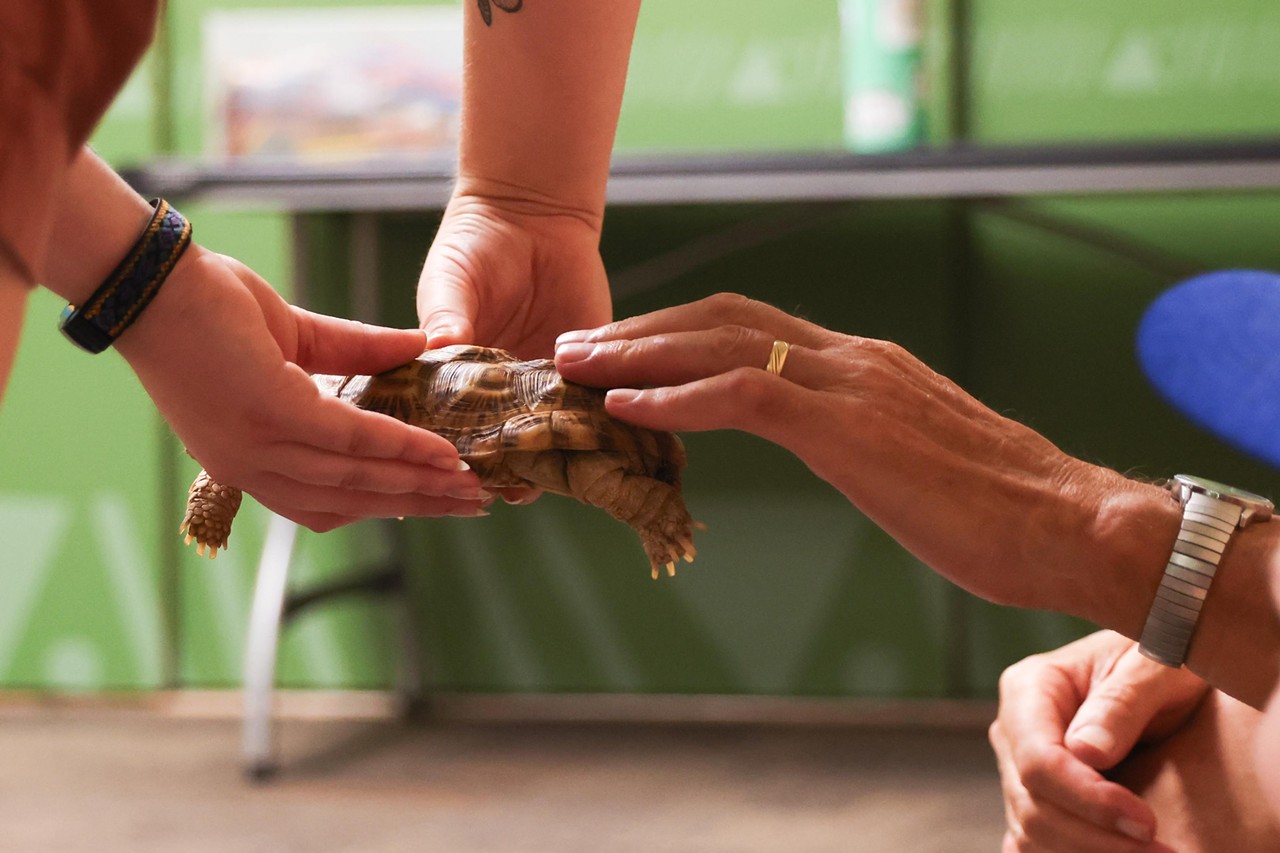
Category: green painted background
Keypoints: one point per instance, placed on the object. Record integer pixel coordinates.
(793, 592)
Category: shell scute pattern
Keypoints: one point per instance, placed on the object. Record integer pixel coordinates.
(517, 423)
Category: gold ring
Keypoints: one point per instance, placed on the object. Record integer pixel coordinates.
(777, 357)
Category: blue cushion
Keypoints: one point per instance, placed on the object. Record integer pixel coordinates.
(1211, 347)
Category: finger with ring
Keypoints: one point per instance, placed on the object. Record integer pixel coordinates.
(777, 357)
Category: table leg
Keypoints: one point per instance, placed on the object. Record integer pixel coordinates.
(262, 644)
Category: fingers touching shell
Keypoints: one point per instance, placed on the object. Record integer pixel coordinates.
(719, 310)
(676, 358)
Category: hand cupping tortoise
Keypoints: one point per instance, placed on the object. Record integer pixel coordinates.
(517, 424)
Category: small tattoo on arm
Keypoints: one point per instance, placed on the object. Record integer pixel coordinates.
(486, 8)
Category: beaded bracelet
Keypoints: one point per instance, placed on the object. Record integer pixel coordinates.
(132, 284)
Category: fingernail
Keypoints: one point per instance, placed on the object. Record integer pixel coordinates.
(470, 493)
(621, 395)
(573, 337)
(519, 501)
(444, 331)
(574, 351)
(450, 464)
(475, 512)
(1135, 830)
(1095, 736)
(462, 466)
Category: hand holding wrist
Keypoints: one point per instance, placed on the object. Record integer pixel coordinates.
(1069, 713)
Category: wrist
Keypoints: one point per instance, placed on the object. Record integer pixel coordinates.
(484, 192)
(541, 97)
(106, 218)
(1124, 549)
(172, 311)
(1238, 631)
(95, 323)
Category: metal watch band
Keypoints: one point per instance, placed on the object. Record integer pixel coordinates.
(1207, 526)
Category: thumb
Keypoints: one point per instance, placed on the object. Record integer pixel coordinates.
(446, 307)
(1119, 708)
(333, 345)
(445, 327)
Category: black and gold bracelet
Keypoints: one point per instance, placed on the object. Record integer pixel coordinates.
(111, 308)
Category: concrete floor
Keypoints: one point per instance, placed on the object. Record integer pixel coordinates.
(111, 780)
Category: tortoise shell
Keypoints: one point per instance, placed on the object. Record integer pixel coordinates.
(517, 423)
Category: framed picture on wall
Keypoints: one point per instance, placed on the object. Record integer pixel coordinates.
(333, 84)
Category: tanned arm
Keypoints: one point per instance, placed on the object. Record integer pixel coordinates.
(516, 260)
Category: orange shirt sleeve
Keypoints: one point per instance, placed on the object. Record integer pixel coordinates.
(61, 64)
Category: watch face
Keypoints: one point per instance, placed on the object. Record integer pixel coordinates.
(1231, 494)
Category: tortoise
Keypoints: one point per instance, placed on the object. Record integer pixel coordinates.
(517, 424)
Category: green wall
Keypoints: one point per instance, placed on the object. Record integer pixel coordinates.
(84, 604)
(793, 592)
(78, 518)
(1094, 69)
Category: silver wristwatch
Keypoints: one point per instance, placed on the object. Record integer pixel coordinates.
(1211, 513)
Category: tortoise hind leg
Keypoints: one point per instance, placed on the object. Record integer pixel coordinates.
(654, 508)
(662, 521)
(211, 507)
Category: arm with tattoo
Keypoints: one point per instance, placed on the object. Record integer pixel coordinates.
(542, 89)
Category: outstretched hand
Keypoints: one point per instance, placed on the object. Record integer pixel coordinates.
(512, 274)
(927, 462)
(226, 360)
(1067, 715)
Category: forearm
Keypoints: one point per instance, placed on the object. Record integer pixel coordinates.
(985, 500)
(14, 288)
(997, 508)
(100, 217)
(542, 89)
(1098, 542)
(1108, 568)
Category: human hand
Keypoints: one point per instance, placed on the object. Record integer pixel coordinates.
(512, 273)
(931, 465)
(226, 361)
(1066, 715)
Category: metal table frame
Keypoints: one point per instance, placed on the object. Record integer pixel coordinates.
(959, 171)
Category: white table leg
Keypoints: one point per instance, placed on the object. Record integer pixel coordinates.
(262, 644)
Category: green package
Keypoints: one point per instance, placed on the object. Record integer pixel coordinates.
(880, 42)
